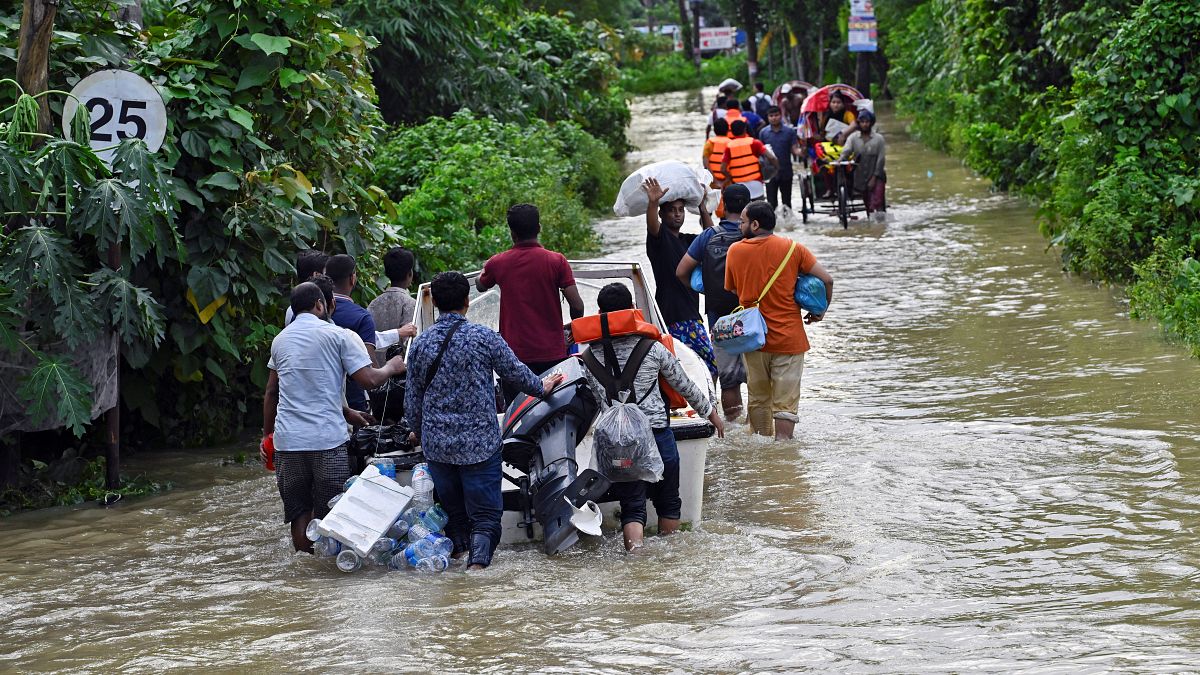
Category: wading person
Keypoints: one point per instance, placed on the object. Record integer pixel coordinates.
(303, 411)
(868, 149)
(665, 247)
(708, 251)
(531, 279)
(740, 162)
(785, 144)
(395, 306)
(760, 101)
(664, 494)
(714, 152)
(773, 373)
(451, 407)
(349, 315)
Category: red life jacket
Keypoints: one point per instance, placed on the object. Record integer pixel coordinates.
(627, 322)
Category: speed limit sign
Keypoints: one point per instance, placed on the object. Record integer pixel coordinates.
(120, 105)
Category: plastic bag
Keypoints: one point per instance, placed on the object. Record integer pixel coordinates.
(810, 294)
(624, 446)
(680, 180)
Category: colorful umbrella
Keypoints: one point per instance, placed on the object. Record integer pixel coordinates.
(818, 101)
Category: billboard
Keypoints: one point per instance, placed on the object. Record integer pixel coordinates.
(716, 38)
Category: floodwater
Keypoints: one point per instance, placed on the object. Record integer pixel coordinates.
(996, 470)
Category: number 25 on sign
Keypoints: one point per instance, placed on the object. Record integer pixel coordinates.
(120, 105)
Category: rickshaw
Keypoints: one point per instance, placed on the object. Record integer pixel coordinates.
(824, 159)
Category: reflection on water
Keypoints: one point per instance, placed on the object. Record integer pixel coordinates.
(997, 470)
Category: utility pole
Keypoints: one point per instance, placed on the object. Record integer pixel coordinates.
(696, 55)
(862, 74)
(33, 54)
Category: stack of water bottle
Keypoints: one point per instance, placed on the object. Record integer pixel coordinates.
(415, 540)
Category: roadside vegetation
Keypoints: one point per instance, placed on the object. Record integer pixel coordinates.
(278, 140)
(1091, 107)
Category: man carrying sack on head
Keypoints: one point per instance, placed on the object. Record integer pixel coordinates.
(762, 269)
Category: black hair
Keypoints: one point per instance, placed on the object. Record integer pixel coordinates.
(731, 103)
(309, 262)
(326, 285)
(721, 97)
(746, 106)
(398, 263)
(614, 297)
(763, 213)
(738, 127)
(305, 297)
(838, 95)
(450, 291)
(524, 221)
(758, 86)
(340, 268)
(721, 127)
(774, 109)
(736, 197)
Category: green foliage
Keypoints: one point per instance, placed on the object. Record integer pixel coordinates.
(455, 179)
(1089, 105)
(260, 96)
(673, 72)
(437, 58)
(41, 485)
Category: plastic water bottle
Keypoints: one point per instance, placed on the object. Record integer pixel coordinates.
(327, 547)
(433, 564)
(311, 530)
(398, 562)
(418, 550)
(383, 550)
(441, 544)
(387, 467)
(418, 531)
(334, 500)
(399, 529)
(422, 481)
(436, 517)
(349, 481)
(349, 561)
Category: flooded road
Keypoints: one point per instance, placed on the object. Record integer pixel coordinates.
(996, 470)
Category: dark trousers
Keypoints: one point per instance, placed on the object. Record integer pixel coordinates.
(779, 186)
(470, 493)
(664, 494)
(538, 367)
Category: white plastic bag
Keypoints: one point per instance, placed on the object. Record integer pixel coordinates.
(680, 180)
(624, 446)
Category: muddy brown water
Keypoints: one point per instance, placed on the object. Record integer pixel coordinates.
(996, 470)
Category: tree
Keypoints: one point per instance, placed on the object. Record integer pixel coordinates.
(33, 54)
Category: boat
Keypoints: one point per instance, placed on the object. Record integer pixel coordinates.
(557, 428)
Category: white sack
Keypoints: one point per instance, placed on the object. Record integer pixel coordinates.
(680, 180)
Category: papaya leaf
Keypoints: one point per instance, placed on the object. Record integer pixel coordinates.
(134, 313)
(45, 260)
(67, 167)
(57, 391)
(75, 318)
(114, 213)
(16, 176)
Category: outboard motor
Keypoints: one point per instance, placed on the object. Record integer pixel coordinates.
(540, 436)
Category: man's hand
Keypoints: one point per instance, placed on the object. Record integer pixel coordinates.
(811, 318)
(871, 183)
(357, 418)
(551, 381)
(262, 448)
(395, 366)
(714, 418)
(412, 439)
(654, 191)
(408, 330)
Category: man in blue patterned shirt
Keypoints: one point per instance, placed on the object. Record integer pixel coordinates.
(450, 403)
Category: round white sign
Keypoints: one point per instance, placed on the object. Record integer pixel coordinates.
(121, 105)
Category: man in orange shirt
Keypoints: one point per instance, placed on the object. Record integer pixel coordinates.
(773, 373)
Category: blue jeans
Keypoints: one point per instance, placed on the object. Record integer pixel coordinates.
(470, 493)
(664, 494)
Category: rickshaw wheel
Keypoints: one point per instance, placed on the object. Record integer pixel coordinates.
(843, 205)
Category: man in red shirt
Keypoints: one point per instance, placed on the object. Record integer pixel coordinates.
(740, 163)
(530, 279)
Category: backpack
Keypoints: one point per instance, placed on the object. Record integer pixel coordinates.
(761, 103)
(622, 438)
(717, 300)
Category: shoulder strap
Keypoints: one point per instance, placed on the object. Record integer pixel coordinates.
(437, 360)
(611, 376)
(778, 271)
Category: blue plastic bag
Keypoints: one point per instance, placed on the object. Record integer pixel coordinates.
(810, 294)
(697, 280)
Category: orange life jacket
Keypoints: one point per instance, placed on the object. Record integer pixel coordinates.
(717, 154)
(628, 322)
(743, 164)
(732, 116)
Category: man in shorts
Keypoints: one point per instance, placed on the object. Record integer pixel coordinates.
(708, 252)
(303, 407)
(773, 373)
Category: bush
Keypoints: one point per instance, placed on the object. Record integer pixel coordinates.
(673, 72)
(455, 179)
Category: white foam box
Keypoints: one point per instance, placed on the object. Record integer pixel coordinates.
(366, 510)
